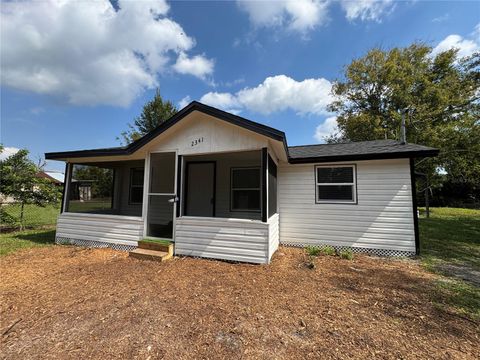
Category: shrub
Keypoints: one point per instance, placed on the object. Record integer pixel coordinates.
(7, 219)
(329, 250)
(312, 250)
(346, 254)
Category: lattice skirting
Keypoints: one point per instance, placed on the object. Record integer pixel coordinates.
(377, 252)
(93, 244)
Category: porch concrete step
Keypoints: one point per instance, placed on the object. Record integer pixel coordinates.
(149, 245)
(146, 254)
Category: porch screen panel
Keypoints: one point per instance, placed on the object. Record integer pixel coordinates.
(272, 187)
(162, 173)
(91, 190)
(160, 216)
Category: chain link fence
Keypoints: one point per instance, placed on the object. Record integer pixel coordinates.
(14, 216)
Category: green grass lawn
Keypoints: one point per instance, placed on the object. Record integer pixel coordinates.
(34, 215)
(10, 242)
(95, 205)
(450, 245)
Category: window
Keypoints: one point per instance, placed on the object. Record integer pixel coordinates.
(335, 184)
(136, 186)
(272, 187)
(245, 189)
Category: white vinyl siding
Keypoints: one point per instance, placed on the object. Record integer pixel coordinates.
(227, 239)
(382, 219)
(113, 229)
(273, 235)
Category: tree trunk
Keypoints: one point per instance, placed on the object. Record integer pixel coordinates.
(427, 200)
(21, 215)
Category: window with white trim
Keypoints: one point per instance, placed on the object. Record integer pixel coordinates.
(245, 189)
(136, 186)
(335, 184)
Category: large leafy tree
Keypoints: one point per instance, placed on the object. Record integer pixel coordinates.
(19, 180)
(154, 112)
(440, 95)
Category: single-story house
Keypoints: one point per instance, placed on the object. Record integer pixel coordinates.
(55, 177)
(221, 186)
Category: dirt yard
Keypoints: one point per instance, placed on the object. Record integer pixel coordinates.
(67, 303)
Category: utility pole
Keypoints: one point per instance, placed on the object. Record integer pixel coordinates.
(427, 199)
(403, 132)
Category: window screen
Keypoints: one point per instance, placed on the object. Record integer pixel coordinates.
(136, 186)
(91, 189)
(245, 189)
(335, 184)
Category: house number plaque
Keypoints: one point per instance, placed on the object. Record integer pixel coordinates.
(197, 141)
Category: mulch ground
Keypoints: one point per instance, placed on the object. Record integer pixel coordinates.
(69, 303)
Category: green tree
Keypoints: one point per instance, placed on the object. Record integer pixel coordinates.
(441, 94)
(154, 112)
(18, 179)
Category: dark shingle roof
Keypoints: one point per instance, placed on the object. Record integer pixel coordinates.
(193, 106)
(362, 150)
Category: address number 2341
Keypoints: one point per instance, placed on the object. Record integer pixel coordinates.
(197, 141)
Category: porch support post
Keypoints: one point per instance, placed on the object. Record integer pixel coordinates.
(66, 186)
(264, 169)
(179, 194)
(146, 190)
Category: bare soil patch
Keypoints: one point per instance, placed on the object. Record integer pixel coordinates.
(68, 303)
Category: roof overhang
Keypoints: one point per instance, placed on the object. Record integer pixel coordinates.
(264, 130)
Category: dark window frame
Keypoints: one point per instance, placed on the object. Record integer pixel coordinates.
(130, 186)
(232, 169)
(353, 184)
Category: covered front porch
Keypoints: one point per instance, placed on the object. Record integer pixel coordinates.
(217, 205)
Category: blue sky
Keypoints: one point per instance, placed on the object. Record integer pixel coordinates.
(74, 74)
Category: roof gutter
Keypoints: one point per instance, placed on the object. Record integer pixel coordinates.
(393, 155)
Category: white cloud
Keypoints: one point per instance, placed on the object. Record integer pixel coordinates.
(198, 65)
(88, 52)
(367, 10)
(184, 102)
(327, 128)
(476, 31)
(277, 93)
(37, 110)
(8, 151)
(466, 47)
(225, 101)
(299, 15)
(442, 18)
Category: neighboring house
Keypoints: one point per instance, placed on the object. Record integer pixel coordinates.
(221, 186)
(55, 177)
